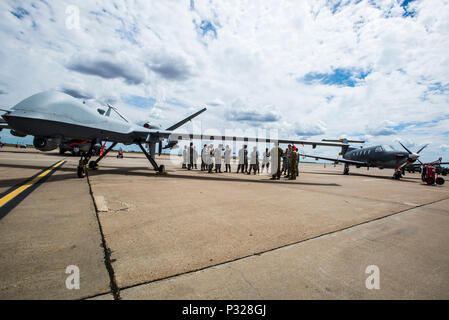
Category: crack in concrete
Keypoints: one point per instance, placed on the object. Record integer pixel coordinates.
(281, 247)
(115, 290)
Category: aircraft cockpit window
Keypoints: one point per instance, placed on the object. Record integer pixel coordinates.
(101, 111)
(378, 149)
(388, 148)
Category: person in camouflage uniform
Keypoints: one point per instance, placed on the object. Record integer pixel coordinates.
(293, 164)
(284, 161)
(289, 152)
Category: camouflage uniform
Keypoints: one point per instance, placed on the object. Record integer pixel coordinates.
(289, 160)
(293, 163)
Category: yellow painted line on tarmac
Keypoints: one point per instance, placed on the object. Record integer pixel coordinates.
(21, 189)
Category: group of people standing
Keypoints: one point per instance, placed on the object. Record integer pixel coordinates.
(209, 155)
(211, 159)
(189, 157)
(290, 162)
(254, 164)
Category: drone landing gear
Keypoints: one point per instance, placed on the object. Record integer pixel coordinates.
(84, 161)
(81, 171)
(346, 169)
(159, 169)
(94, 164)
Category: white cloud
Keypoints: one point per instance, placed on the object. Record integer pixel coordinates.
(216, 103)
(384, 128)
(255, 53)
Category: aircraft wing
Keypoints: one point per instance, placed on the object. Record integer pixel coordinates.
(218, 138)
(356, 163)
(156, 135)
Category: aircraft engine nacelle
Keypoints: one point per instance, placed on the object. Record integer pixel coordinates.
(46, 144)
(17, 133)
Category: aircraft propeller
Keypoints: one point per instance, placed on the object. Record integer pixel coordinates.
(413, 156)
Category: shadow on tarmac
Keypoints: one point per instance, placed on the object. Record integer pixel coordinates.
(133, 171)
(222, 177)
(5, 183)
(404, 178)
(52, 154)
(137, 171)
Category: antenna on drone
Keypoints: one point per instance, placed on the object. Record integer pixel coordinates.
(108, 113)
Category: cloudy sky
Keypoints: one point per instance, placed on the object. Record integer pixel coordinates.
(371, 69)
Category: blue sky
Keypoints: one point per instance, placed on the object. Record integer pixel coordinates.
(338, 77)
(370, 69)
(408, 12)
(139, 101)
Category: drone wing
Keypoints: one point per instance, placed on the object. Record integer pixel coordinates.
(187, 136)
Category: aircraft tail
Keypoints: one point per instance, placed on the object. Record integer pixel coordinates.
(346, 148)
(180, 123)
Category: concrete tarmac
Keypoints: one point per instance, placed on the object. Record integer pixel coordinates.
(195, 235)
(52, 228)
